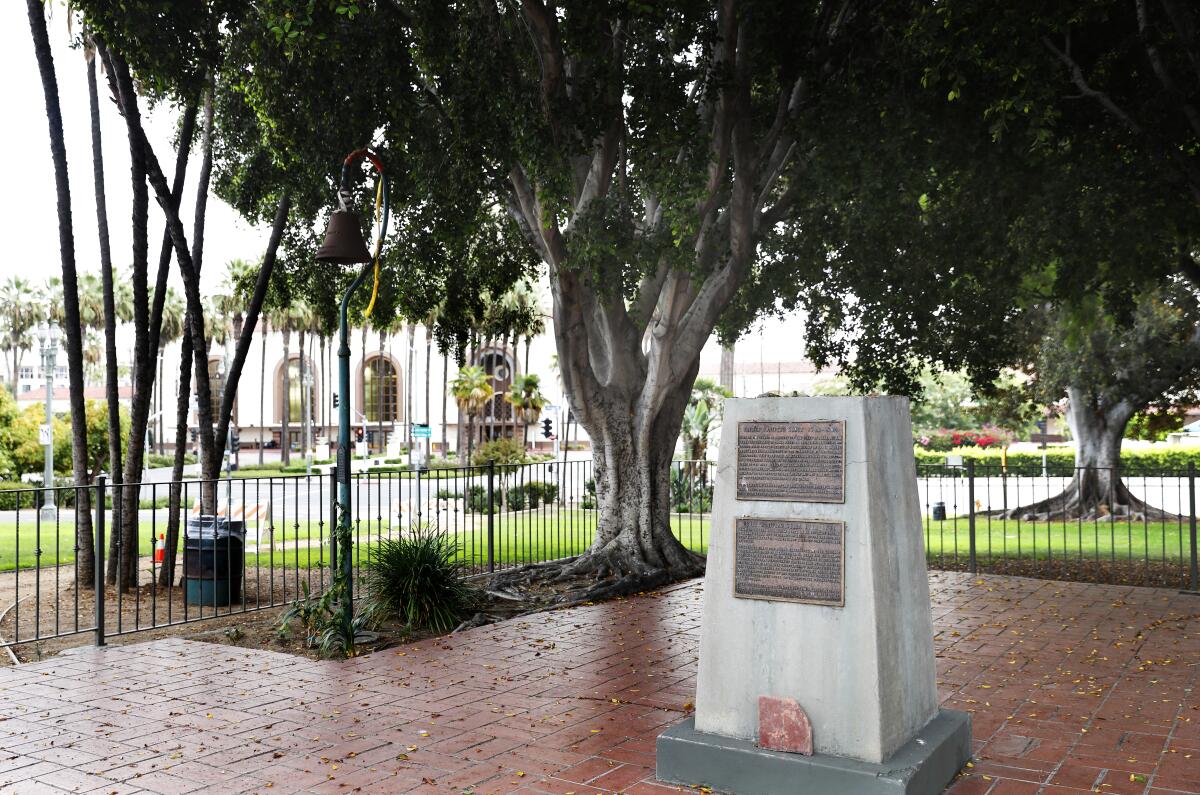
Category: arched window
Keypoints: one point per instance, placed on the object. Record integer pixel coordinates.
(296, 390)
(381, 390)
(216, 377)
(497, 414)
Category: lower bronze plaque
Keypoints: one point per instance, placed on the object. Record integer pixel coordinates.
(790, 560)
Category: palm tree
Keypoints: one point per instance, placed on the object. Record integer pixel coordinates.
(170, 330)
(472, 389)
(85, 565)
(232, 300)
(107, 319)
(527, 401)
(282, 320)
(21, 309)
(304, 319)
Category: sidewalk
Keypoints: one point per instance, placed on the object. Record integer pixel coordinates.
(1074, 687)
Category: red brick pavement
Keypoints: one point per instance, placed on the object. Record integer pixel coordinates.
(1074, 687)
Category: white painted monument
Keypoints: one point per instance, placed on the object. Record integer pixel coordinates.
(816, 609)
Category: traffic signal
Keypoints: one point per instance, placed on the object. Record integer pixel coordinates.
(235, 440)
(335, 400)
(548, 428)
(358, 434)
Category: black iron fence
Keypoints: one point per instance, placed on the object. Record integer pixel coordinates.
(196, 550)
(1132, 526)
(178, 552)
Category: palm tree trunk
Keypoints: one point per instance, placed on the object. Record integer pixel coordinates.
(285, 415)
(428, 365)
(408, 380)
(262, 394)
(166, 574)
(85, 561)
(303, 391)
(445, 398)
(112, 387)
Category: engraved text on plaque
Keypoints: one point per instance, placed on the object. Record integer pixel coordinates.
(792, 461)
(789, 560)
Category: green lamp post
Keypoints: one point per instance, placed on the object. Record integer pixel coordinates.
(344, 245)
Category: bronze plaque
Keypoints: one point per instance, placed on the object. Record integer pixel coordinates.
(792, 461)
(790, 560)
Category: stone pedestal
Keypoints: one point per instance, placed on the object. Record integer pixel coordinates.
(816, 590)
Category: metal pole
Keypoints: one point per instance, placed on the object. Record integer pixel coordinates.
(49, 510)
(971, 564)
(1195, 578)
(491, 528)
(343, 454)
(98, 560)
(333, 519)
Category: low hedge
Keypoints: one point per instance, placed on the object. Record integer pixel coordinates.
(1060, 462)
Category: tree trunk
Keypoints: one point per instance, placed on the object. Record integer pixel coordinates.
(285, 413)
(1096, 491)
(300, 371)
(262, 395)
(112, 387)
(634, 547)
(445, 399)
(408, 380)
(428, 408)
(727, 365)
(72, 328)
(166, 573)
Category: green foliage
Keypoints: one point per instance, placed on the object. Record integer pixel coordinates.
(945, 402)
(702, 417)
(1153, 425)
(1061, 460)
(504, 452)
(1134, 358)
(417, 578)
(691, 492)
(477, 499)
(517, 497)
(167, 460)
(541, 490)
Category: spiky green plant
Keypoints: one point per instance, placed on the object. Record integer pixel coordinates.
(417, 578)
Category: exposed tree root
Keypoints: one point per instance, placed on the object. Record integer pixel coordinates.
(1085, 501)
(603, 573)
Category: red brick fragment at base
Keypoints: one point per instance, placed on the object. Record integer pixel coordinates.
(783, 725)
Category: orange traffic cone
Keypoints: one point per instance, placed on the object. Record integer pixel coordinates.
(160, 549)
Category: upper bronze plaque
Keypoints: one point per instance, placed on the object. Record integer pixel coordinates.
(792, 461)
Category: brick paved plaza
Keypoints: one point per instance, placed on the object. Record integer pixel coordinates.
(1073, 687)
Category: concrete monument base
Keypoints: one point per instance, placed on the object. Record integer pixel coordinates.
(923, 766)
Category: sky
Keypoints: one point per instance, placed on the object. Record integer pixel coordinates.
(29, 209)
(29, 204)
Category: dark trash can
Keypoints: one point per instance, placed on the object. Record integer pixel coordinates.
(213, 561)
(939, 512)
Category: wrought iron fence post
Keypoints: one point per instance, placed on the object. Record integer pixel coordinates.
(333, 522)
(1195, 569)
(98, 560)
(491, 526)
(971, 563)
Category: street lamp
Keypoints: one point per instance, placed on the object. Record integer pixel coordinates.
(47, 334)
(344, 245)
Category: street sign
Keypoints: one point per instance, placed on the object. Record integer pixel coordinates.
(45, 434)
(420, 431)
(1041, 425)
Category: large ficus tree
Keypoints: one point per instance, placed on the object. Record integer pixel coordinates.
(660, 160)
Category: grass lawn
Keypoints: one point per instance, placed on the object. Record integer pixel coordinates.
(547, 533)
(1008, 538)
(518, 537)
